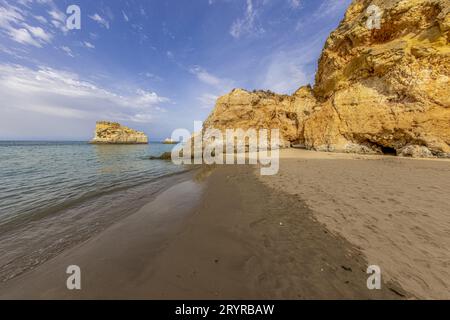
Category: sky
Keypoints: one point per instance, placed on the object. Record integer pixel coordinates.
(153, 65)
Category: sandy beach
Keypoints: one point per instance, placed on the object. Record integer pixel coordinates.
(116, 115)
(395, 210)
(225, 232)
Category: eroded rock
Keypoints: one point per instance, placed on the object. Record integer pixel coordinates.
(114, 133)
(376, 91)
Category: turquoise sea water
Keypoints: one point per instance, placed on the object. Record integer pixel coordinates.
(47, 176)
(54, 194)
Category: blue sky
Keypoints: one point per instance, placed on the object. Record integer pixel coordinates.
(152, 65)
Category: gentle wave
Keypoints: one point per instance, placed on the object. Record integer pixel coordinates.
(40, 178)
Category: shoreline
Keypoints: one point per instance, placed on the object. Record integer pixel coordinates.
(107, 254)
(191, 242)
(31, 241)
(228, 233)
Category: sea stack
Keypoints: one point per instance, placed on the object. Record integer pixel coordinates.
(113, 133)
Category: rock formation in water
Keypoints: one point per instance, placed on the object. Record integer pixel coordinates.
(377, 90)
(113, 133)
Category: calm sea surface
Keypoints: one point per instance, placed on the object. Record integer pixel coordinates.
(39, 177)
(54, 194)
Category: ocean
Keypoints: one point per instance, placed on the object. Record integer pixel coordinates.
(54, 195)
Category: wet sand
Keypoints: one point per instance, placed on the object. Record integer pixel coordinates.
(222, 235)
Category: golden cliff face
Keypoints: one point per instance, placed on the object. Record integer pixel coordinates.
(114, 133)
(263, 110)
(379, 90)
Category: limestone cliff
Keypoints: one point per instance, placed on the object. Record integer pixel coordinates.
(377, 90)
(264, 110)
(113, 133)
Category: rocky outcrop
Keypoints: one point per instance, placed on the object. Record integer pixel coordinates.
(113, 133)
(263, 110)
(377, 90)
(165, 156)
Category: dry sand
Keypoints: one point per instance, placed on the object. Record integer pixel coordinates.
(395, 210)
(225, 235)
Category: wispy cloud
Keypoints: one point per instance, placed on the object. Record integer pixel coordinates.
(39, 33)
(328, 9)
(88, 45)
(125, 17)
(41, 19)
(13, 24)
(217, 86)
(63, 94)
(58, 18)
(208, 78)
(285, 75)
(99, 19)
(205, 76)
(248, 24)
(207, 100)
(68, 51)
(331, 8)
(151, 76)
(291, 67)
(23, 36)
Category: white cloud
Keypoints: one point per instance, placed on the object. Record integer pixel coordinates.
(284, 76)
(23, 36)
(205, 77)
(125, 17)
(248, 24)
(10, 15)
(207, 100)
(148, 98)
(152, 76)
(219, 86)
(62, 94)
(58, 19)
(41, 19)
(289, 69)
(210, 79)
(39, 33)
(25, 3)
(57, 15)
(68, 51)
(12, 24)
(99, 19)
(88, 45)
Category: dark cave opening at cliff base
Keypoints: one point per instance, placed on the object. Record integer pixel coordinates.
(385, 150)
(388, 151)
